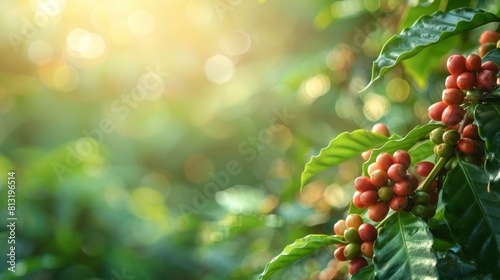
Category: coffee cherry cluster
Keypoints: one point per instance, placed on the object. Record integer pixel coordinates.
(468, 143)
(388, 185)
(360, 237)
(467, 75)
(488, 41)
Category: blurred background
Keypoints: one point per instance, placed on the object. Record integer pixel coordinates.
(165, 139)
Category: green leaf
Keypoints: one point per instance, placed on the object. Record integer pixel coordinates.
(426, 31)
(299, 249)
(366, 273)
(403, 249)
(412, 13)
(421, 151)
(419, 133)
(453, 265)
(345, 146)
(488, 121)
(493, 55)
(472, 213)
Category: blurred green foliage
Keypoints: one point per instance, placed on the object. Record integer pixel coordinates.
(165, 140)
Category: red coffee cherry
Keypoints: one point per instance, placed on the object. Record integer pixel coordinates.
(384, 161)
(473, 63)
(402, 188)
(353, 220)
(471, 131)
(398, 203)
(467, 146)
(423, 168)
(453, 96)
(489, 65)
(451, 81)
(356, 200)
(402, 157)
(339, 254)
(466, 81)
(452, 115)
(396, 172)
(488, 36)
(339, 227)
(377, 212)
(367, 249)
(378, 178)
(357, 264)
(363, 183)
(413, 181)
(381, 128)
(456, 64)
(369, 197)
(435, 111)
(486, 80)
(367, 232)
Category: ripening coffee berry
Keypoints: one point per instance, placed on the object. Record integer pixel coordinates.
(444, 150)
(486, 80)
(466, 146)
(379, 178)
(384, 161)
(353, 220)
(420, 211)
(402, 188)
(473, 63)
(339, 227)
(339, 254)
(488, 36)
(369, 197)
(366, 154)
(367, 232)
(352, 236)
(356, 200)
(381, 128)
(451, 81)
(473, 96)
(453, 96)
(378, 211)
(489, 65)
(402, 157)
(451, 137)
(436, 135)
(363, 183)
(367, 249)
(466, 81)
(372, 167)
(396, 172)
(352, 251)
(385, 193)
(422, 198)
(357, 264)
(398, 203)
(423, 168)
(413, 181)
(470, 131)
(486, 48)
(456, 64)
(435, 111)
(452, 115)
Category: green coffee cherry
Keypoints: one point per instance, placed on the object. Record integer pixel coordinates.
(352, 236)
(352, 251)
(436, 136)
(451, 137)
(422, 198)
(385, 193)
(444, 150)
(420, 211)
(473, 95)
